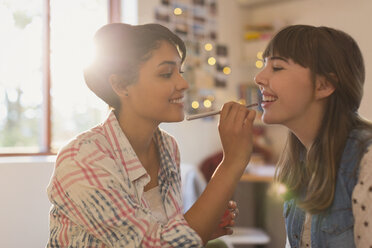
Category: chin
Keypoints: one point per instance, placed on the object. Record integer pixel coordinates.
(175, 118)
(267, 120)
(181, 118)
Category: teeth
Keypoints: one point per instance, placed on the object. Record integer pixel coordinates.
(268, 98)
(179, 100)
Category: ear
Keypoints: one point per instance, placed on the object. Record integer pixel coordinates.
(323, 88)
(118, 85)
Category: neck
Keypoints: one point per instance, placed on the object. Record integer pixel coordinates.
(138, 132)
(307, 128)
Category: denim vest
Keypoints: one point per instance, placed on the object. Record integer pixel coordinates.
(335, 228)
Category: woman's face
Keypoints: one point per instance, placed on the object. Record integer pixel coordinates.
(158, 94)
(288, 92)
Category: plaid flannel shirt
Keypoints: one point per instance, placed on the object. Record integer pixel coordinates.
(97, 194)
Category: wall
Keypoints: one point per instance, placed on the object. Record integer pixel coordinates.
(24, 203)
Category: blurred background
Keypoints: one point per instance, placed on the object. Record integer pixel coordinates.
(44, 102)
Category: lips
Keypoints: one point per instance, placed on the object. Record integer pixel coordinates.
(266, 97)
(269, 99)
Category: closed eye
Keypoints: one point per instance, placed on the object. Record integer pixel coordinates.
(277, 68)
(169, 75)
(166, 75)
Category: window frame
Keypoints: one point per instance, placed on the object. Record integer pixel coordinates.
(114, 15)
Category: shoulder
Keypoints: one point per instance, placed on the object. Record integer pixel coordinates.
(170, 144)
(362, 201)
(168, 140)
(362, 135)
(363, 188)
(83, 145)
(366, 164)
(86, 156)
(166, 136)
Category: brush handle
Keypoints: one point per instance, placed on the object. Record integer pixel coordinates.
(197, 116)
(202, 115)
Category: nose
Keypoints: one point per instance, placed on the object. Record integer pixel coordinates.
(181, 84)
(260, 79)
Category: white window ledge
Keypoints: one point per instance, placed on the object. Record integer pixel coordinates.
(21, 160)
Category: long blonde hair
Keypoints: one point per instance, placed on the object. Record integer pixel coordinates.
(311, 175)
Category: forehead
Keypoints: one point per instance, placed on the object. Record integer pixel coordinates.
(165, 51)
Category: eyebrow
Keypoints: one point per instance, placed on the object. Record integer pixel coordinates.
(167, 62)
(278, 58)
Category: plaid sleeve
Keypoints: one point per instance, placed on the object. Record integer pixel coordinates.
(97, 203)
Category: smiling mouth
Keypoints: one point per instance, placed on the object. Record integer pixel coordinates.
(178, 100)
(269, 98)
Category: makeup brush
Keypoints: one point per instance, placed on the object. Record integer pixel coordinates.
(197, 116)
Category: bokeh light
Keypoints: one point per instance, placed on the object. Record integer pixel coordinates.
(211, 61)
(195, 104)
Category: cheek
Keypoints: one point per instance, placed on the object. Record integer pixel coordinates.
(296, 91)
(156, 97)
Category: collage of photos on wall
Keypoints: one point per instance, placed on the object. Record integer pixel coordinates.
(207, 64)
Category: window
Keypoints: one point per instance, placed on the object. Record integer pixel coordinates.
(44, 47)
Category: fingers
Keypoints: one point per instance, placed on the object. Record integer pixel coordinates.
(232, 204)
(235, 115)
(250, 118)
(234, 112)
(228, 219)
(241, 114)
(233, 208)
(226, 110)
(235, 129)
(233, 214)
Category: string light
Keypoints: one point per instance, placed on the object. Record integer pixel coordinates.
(259, 64)
(177, 11)
(195, 105)
(211, 61)
(208, 47)
(226, 70)
(259, 55)
(207, 103)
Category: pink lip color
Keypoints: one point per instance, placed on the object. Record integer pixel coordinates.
(266, 104)
(264, 93)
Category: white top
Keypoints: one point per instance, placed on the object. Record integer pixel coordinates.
(362, 203)
(306, 233)
(153, 197)
(362, 207)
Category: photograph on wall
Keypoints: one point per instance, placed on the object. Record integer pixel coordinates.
(162, 14)
(195, 21)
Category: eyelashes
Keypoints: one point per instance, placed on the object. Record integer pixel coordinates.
(277, 68)
(169, 75)
(166, 75)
